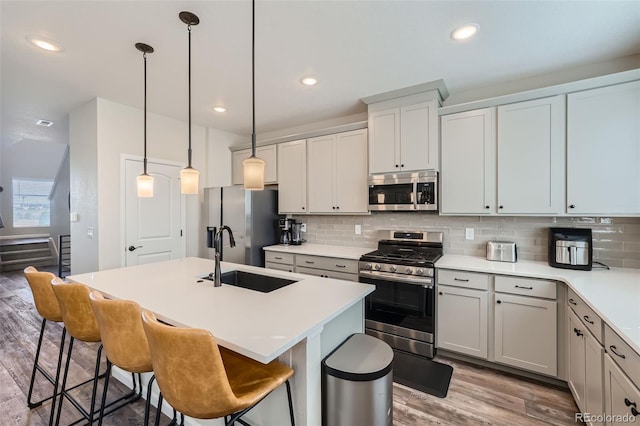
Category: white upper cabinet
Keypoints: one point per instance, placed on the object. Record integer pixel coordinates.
(267, 153)
(531, 156)
(404, 138)
(337, 173)
(468, 174)
(603, 150)
(292, 173)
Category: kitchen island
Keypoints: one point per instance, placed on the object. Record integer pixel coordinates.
(298, 324)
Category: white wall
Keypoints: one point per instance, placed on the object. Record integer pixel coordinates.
(83, 165)
(60, 224)
(219, 156)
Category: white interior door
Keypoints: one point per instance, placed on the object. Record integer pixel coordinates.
(153, 225)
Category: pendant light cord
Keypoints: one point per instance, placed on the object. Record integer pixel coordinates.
(189, 29)
(253, 74)
(144, 55)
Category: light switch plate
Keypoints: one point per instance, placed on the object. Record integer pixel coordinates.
(469, 233)
(90, 232)
(358, 229)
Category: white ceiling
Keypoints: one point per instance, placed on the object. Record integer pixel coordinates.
(356, 48)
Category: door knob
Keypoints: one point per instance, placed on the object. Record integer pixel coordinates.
(133, 248)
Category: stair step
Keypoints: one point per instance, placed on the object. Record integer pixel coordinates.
(19, 264)
(19, 241)
(21, 247)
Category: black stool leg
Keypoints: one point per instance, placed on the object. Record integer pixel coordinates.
(92, 408)
(64, 384)
(57, 379)
(293, 422)
(147, 406)
(104, 392)
(159, 410)
(35, 365)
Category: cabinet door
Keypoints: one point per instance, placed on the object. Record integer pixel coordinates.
(531, 157)
(292, 171)
(468, 175)
(266, 153)
(526, 333)
(621, 396)
(384, 141)
(577, 363)
(462, 320)
(603, 150)
(351, 191)
(321, 174)
(419, 136)
(594, 372)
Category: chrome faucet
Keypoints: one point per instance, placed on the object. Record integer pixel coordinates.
(217, 245)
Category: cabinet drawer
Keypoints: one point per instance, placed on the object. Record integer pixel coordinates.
(525, 286)
(586, 315)
(276, 257)
(622, 354)
(328, 263)
(463, 279)
(326, 274)
(279, 266)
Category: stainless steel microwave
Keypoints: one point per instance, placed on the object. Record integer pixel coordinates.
(404, 191)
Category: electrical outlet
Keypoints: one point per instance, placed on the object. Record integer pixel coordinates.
(303, 227)
(90, 232)
(468, 233)
(358, 229)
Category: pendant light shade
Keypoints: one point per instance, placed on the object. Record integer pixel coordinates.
(144, 182)
(189, 176)
(253, 166)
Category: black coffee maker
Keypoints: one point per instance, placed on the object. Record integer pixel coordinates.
(286, 230)
(570, 248)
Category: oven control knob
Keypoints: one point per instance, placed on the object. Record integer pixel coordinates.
(392, 268)
(377, 267)
(408, 271)
(420, 271)
(367, 266)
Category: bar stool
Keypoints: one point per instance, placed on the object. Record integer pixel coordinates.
(124, 341)
(202, 380)
(81, 324)
(49, 309)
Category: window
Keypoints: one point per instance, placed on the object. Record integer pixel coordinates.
(31, 205)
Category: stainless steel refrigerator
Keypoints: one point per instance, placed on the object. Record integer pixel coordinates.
(251, 215)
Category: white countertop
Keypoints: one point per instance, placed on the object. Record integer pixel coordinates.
(613, 294)
(259, 325)
(343, 252)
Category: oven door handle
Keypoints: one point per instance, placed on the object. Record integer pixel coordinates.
(385, 276)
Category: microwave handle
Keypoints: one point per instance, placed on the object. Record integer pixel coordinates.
(415, 195)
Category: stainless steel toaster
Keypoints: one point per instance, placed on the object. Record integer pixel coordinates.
(502, 251)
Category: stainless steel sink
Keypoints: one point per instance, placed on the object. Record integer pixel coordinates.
(251, 281)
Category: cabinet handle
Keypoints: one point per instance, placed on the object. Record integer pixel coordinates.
(401, 165)
(311, 262)
(338, 207)
(334, 207)
(634, 411)
(487, 207)
(526, 288)
(613, 349)
(586, 318)
(440, 293)
(461, 279)
(501, 207)
(572, 206)
(341, 266)
(498, 301)
(302, 207)
(573, 302)
(578, 332)
(629, 403)
(397, 165)
(277, 258)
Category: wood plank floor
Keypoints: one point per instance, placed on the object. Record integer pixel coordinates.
(477, 396)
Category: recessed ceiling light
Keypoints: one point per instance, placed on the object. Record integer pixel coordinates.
(309, 80)
(45, 123)
(219, 109)
(464, 32)
(45, 44)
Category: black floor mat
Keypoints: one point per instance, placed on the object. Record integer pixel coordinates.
(421, 373)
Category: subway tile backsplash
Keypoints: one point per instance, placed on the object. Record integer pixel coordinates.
(616, 241)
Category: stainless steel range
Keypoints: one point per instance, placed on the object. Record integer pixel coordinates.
(401, 311)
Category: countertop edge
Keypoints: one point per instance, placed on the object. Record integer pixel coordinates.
(342, 252)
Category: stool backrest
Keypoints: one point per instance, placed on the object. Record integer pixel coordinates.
(77, 314)
(43, 295)
(189, 369)
(123, 338)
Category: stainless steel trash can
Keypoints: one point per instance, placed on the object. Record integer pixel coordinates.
(357, 383)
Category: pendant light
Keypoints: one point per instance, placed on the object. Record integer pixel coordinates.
(144, 182)
(189, 176)
(253, 166)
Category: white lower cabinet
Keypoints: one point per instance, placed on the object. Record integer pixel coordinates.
(622, 397)
(525, 333)
(585, 373)
(462, 320)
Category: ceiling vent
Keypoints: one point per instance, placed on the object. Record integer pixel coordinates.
(45, 123)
